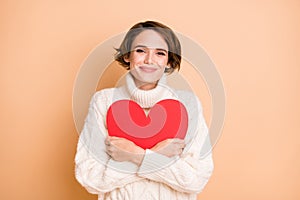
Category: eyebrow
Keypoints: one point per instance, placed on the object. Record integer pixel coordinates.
(143, 46)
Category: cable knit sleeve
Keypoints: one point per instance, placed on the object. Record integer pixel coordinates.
(191, 171)
(93, 167)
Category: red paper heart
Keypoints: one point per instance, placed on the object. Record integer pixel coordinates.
(166, 119)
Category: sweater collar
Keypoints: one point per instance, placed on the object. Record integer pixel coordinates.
(147, 98)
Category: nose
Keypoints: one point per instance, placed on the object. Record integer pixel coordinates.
(149, 57)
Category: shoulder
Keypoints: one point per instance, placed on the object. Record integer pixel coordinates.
(103, 94)
(103, 98)
(189, 99)
(110, 94)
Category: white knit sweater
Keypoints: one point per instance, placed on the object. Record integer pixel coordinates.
(159, 177)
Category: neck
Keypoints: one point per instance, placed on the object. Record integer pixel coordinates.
(144, 86)
(147, 94)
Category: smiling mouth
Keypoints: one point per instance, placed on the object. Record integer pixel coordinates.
(148, 69)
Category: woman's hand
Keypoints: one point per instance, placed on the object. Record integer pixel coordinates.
(169, 147)
(121, 149)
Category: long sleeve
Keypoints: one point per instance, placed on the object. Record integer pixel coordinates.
(191, 171)
(93, 167)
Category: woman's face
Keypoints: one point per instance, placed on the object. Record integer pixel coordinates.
(148, 59)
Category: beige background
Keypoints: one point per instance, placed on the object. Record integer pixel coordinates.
(254, 44)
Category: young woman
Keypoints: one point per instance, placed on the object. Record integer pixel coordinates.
(115, 167)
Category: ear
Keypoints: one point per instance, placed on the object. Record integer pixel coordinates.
(126, 58)
(168, 68)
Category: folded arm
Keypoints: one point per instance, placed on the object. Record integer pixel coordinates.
(94, 168)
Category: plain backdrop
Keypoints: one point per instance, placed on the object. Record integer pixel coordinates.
(255, 46)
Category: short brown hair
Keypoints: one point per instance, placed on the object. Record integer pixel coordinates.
(174, 51)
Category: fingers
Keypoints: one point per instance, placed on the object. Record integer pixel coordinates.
(178, 142)
(114, 138)
(107, 142)
(168, 147)
(109, 146)
(111, 140)
(179, 151)
(181, 146)
(175, 140)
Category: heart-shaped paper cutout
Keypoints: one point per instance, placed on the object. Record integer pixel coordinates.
(166, 119)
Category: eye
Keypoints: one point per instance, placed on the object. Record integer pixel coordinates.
(139, 51)
(161, 53)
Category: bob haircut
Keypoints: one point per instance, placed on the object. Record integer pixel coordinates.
(174, 47)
